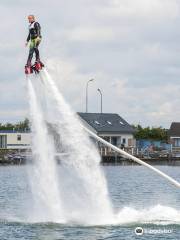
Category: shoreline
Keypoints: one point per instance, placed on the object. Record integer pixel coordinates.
(122, 162)
(24, 157)
(164, 161)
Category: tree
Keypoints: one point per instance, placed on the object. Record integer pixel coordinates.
(22, 126)
(25, 125)
(153, 133)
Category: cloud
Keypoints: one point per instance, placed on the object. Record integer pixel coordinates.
(129, 47)
(97, 34)
(153, 10)
(155, 104)
(7, 116)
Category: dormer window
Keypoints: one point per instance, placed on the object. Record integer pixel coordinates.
(96, 122)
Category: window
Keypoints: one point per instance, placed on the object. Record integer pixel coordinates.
(177, 142)
(96, 122)
(106, 138)
(19, 137)
(110, 123)
(3, 141)
(114, 141)
(124, 141)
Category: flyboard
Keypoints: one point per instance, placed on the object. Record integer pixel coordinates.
(36, 68)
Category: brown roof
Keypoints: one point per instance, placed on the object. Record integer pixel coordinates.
(174, 129)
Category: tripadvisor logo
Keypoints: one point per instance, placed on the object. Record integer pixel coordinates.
(139, 231)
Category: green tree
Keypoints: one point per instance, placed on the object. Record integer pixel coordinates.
(23, 126)
(153, 133)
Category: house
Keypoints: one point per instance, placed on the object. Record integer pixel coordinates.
(12, 139)
(111, 127)
(174, 136)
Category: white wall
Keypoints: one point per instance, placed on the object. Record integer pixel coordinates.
(121, 137)
(13, 142)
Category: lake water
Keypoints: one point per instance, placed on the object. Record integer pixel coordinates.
(139, 197)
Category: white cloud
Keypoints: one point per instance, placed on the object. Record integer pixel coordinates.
(12, 115)
(157, 104)
(130, 47)
(89, 34)
(142, 9)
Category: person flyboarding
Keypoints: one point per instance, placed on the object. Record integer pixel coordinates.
(33, 40)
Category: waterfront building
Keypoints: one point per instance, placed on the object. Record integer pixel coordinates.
(12, 139)
(174, 136)
(111, 127)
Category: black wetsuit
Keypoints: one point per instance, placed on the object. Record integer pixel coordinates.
(34, 37)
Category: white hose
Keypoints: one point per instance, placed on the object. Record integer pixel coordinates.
(122, 152)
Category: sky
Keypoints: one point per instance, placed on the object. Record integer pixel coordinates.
(131, 48)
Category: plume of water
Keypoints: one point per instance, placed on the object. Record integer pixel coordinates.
(83, 186)
(157, 214)
(43, 175)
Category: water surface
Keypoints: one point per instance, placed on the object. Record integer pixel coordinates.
(139, 197)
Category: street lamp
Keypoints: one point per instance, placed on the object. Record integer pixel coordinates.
(99, 90)
(87, 84)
